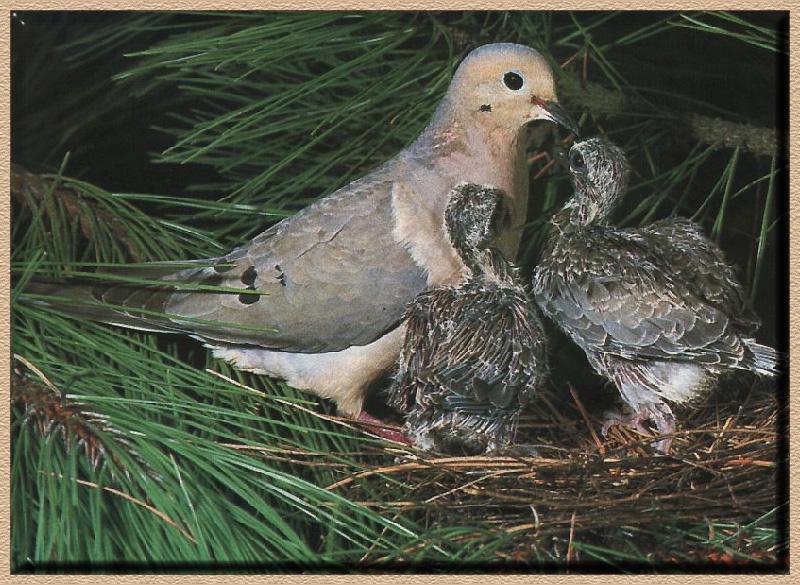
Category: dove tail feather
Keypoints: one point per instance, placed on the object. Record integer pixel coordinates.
(763, 359)
(81, 300)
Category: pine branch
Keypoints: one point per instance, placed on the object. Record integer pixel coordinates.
(25, 184)
(601, 101)
(758, 140)
(266, 101)
(52, 411)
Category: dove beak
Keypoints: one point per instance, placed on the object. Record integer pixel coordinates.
(552, 110)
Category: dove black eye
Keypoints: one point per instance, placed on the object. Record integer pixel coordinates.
(576, 161)
(513, 80)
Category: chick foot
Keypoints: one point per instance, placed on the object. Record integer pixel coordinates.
(659, 414)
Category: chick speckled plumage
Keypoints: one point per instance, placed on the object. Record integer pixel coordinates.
(657, 309)
(473, 353)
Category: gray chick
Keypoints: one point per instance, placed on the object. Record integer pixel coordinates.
(473, 353)
(657, 309)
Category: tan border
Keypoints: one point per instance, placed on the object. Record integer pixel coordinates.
(398, 5)
(5, 349)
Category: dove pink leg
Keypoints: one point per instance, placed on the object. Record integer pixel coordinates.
(381, 428)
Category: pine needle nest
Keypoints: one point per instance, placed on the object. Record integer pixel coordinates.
(723, 469)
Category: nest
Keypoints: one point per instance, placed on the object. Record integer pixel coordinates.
(722, 470)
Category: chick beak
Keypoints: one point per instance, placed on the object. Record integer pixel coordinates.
(552, 110)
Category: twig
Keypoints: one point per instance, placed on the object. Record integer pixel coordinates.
(389, 469)
(343, 421)
(334, 419)
(38, 372)
(585, 416)
(461, 487)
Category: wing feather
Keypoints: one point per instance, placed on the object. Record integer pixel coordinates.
(328, 278)
(474, 349)
(633, 304)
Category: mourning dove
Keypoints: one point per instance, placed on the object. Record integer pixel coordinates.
(657, 309)
(474, 353)
(323, 292)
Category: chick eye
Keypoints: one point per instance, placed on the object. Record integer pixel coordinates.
(513, 80)
(501, 218)
(576, 161)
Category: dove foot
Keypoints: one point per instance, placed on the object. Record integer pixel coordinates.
(381, 428)
(659, 414)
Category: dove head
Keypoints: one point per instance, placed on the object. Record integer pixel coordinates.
(599, 174)
(504, 85)
(474, 216)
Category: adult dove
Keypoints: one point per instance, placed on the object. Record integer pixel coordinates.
(323, 292)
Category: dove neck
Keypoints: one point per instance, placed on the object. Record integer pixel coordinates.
(494, 149)
(561, 226)
(488, 265)
(457, 149)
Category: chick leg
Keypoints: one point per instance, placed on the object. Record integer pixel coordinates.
(632, 421)
(664, 421)
(659, 414)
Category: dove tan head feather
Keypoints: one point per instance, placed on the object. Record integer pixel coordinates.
(505, 85)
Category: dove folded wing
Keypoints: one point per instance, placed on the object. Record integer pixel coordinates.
(700, 264)
(634, 306)
(320, 281)
(329, 279)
